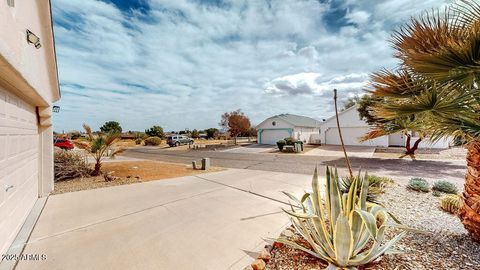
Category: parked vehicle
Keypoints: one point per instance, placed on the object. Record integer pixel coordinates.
(63, 144)
(177, 140)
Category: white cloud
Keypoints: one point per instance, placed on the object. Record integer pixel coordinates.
(182, 64)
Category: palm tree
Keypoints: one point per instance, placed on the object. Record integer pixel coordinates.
(99, 146)
(437, 84)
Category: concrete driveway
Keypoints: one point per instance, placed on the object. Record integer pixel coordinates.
(207, 221)
(336, 151)
(251, 149)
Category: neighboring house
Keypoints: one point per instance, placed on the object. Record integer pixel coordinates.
(28, 87)
(282, 126)
(353, 128)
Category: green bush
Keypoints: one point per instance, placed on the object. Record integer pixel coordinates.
(289, 141)
(376, 186)
(154, 141)
(445, 187)
(418, 184)
(281, 144)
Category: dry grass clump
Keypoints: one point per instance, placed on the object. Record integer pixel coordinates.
(69, 165)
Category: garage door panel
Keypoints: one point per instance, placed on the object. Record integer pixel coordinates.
(272, 136)
(19, 153)
(351, 136)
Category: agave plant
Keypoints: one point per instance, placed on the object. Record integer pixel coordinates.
(438, 86)
(99, 146)
(343, 230)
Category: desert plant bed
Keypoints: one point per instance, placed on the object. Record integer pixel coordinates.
(445, 245)
(127, 172)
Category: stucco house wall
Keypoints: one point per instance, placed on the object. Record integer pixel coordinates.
(353, 128)
(28, 87)
(277, 127)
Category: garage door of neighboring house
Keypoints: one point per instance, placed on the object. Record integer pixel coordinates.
(19, 158)
(350, 135)
(271, 136)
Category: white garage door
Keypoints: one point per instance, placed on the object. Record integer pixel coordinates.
(273, 135)
(350, 136)
(19, 152)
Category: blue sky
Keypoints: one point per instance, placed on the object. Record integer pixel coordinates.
(182, 63)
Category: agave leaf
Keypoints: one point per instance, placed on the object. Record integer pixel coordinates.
(369, 221)
(299, 215)
(343, 241)
(297, 246)
(293, 198)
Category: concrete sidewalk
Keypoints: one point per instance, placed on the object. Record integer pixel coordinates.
(207, 221)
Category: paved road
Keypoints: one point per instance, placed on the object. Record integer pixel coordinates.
(291, 163)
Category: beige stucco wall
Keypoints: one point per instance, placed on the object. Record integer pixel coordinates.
(36, 67)
(28, 87)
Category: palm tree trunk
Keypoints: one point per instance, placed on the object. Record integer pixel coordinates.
(470, 210)
(97, 169)
(349, 166)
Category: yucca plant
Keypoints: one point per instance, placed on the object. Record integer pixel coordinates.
(438, 86)
(343, 230)
(99, 146)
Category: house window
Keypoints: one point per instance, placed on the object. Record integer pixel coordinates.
(11, 3)
(274, 123)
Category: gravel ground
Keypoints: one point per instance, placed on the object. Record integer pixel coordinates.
(128, 172)
(445, 245)
(454, 153)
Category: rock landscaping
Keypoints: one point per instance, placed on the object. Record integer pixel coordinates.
(444, 245)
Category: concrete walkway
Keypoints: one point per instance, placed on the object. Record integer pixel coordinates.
(207, 221)
(336, 151)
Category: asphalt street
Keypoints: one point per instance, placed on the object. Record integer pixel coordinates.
(303, 164)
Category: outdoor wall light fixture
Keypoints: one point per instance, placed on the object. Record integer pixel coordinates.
(11, 3)
(56, 109)
(32, 38)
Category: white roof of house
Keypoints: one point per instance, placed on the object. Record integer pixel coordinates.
(296, 120)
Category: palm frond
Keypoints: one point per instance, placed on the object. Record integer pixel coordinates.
(89, 132)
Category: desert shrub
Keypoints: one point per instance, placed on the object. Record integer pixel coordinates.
(451, 203)
(281, 144)
(376, 186)
(70, 164)
(153, 141)
(436, 193)
(445, 187)
(344, 231)
(138, 141)
(289, 141)
(418, 184)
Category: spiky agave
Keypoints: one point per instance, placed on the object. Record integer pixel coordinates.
(345, 230)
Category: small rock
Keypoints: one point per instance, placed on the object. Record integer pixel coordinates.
(258, 264)
(265, 255)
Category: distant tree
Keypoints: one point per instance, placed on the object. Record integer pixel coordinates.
(236, 123)
(365, 108)
(155, 131)
(111, 127)
(350, 102)
(182, 132)
(251, 132)
(74, 135)
(211, 132)
(195, 134)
